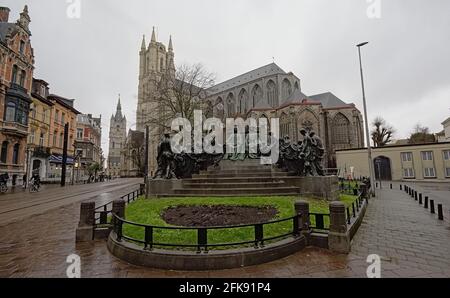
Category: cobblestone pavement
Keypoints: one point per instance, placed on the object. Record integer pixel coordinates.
(411, 242)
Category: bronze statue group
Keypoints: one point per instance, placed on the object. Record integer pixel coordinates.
(303, 158)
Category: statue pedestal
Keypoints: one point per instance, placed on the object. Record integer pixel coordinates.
(324, 187)
(157, 187)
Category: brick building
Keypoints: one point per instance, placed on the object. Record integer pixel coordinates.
(16, 72)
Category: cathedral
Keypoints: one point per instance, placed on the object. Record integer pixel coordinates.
(268, 92)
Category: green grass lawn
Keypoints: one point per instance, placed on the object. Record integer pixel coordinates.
(149, 211)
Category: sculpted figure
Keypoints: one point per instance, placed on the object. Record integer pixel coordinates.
(165, 159)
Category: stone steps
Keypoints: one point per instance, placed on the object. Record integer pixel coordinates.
(279, 194)
(212, 185)
(228, 180)
(238, 175)
(237, 191)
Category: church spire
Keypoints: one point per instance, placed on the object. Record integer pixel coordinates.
(119, 110)
(153, 35)
(143, 42)
(170, 44)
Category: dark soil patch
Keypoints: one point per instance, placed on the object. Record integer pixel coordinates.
(217, 215)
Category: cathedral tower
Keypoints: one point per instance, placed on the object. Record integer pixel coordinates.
(155, 61)
(117, 138)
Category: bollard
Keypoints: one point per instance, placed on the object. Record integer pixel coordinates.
(440, 212)
(426, 203)
(420, 199)
(302, 207)
(415, 195)
(85, 229)
(391, 185)
(401, 187)
(338, 237)
(432, 207)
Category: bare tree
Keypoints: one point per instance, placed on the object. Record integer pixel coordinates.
(421, 135)
(178, 94)
(382, 132)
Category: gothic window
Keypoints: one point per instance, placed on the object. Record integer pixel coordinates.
(231, 105)
(286, 88)
(161, 64)
(296, 86)
(256, 95)
(309, 121)
(219, 108)
(243, 99)
(341, 128)
(272, 94)
(16, 154)
(285, 125)
(4, 153)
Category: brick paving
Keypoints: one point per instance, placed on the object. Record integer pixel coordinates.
(410, 241)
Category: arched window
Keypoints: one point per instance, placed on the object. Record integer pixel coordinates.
(341, 126)
(231, 105)
(286, 88)
(256, 95)
(10, 115)
(243, 99)
(4, 153)
(296, 86)
(285, 126)
(219, 108)
(16, 154)
(272, 94)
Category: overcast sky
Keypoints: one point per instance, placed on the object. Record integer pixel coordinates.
(407, 63)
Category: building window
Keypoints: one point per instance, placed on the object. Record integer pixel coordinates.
(341, 129)
(32, 134)
(63, 118)
(15, 70)
(427, 155)
(55, 136)
(16, 154)
(56, 116)
(22, 78)
(408, 173)
(33, 110)
(22, 47)
(41, 139)
(446, 154)
(407, 156)
(10, 115)
(61, 140)
(79, 133)
(4, 153)
(429, 173)
(272, 94)
(447, 172)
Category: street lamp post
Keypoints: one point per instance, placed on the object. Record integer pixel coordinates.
(369, 148)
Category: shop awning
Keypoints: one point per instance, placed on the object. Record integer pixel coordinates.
(58, 159)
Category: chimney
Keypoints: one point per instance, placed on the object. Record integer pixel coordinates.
(4, 14)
